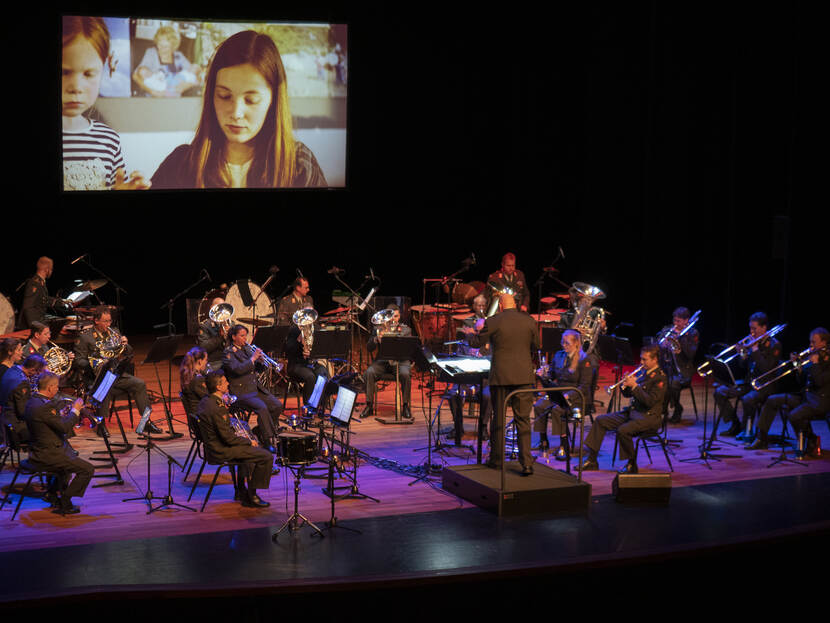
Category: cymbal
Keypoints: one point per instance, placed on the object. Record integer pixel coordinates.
(336, 310)
(91, 310)
(463, 316)
(254, 321)
(464, 293)
(93, 284)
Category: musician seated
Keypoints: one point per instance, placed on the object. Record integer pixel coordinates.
(94, 348)
(573, 367)
(297, 300)
(762, 357)
(241, 363)
(38, 342)
(191, 374)
(810, 403)
(221, 443)
(646, 390)
(15, 391)
(48, 448)
(299, 367)
(677, 358)
(213, 337)
(382, 366)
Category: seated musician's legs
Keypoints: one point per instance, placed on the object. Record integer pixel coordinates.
(541, 411)
(676, 383)
(256, 471)
(725, 396)
(373, 372)
(751, 401)
(136, 388)
(81, 472)
(812, 408)
(626, 432)
(406, 385)
(602, 424)
(486, 411)
(305, 377)
(265, 426)
(771, 408)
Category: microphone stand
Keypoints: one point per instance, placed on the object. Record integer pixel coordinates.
(352, 322)
(118, 288)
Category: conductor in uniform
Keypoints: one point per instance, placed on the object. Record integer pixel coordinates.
(222, 443)
(513, 337)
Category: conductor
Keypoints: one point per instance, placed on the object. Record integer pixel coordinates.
(513, 337)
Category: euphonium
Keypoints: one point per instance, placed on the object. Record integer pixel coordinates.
(384, 321)
(587, 323)
(304, 319)
(222, 314)
(57, 360)
(494, 302)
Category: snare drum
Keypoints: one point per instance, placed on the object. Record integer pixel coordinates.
(297, 447)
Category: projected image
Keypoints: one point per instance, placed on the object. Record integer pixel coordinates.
(189, 104)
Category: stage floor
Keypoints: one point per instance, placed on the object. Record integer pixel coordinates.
(411, 529)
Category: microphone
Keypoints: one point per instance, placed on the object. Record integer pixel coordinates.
(274, 270)
(335, 271)
(561, 252)
(206, 274)
(550, 269)
(300, 274)
(78, 259)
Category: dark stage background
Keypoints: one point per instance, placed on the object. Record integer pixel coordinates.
(667, 148)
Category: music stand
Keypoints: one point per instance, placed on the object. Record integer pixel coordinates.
(723, 373)
(148, 497)
(101, 387)
(271, 339)
(164, 349)
(395, 349)
(616, 350)
(330, 343)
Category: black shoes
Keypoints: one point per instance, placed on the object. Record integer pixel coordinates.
(66, 507)
(254, 501)
(52, 498)
(527, 470)
(151, 428)
(630, 468)
(544, 444)
(367, 411)
(677, 416)
(733, 430)
(590, 464)
(405, 414)
(561, 454)
(759, 444)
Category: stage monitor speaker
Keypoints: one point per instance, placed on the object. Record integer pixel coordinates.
(652, 488)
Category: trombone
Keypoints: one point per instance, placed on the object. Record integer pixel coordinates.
(610, 389)
(741, 345)
(784, 368)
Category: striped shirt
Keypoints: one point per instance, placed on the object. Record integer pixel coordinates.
(91, 157)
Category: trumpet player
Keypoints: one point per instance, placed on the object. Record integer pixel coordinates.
(647, 388)
(811, 402)
(213, 337)
(678, 347)
(240, 363)
(760, 358)
(297, 300)
(299, 367)
(88, 349)
(222, 443)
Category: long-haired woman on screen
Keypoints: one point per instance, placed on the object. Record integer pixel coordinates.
(245, 137)
(92, 158)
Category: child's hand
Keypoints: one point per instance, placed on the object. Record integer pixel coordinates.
(136, 181)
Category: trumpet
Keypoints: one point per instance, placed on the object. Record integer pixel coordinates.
(271, 363)
(735, 350)
(610, 389)
(784, 368)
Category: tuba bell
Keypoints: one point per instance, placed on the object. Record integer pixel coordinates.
(305, 319)
(588, 320)
(497, 291)
(384, 321)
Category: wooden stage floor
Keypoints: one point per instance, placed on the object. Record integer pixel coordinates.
(184, 548)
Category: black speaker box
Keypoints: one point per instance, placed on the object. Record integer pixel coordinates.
(652, 488)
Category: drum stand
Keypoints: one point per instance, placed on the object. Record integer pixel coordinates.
(293, 523)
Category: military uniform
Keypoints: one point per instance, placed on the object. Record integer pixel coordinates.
(643, 414)
(211, 340)
(48, 447)
(679, 367)
(299, 367)
(15, 391)
(382, 366)
(243, 383)
(30, 348)
(561, 375)
(811, 403)
(755, 364)
(86, 346)
(222, 444)
(516, 282)
(290, 304)
(192, 393)
(36, 301)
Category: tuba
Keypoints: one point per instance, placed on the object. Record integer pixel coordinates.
(588, 320)
(494, 301)
(304, 319)
(57, 360)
